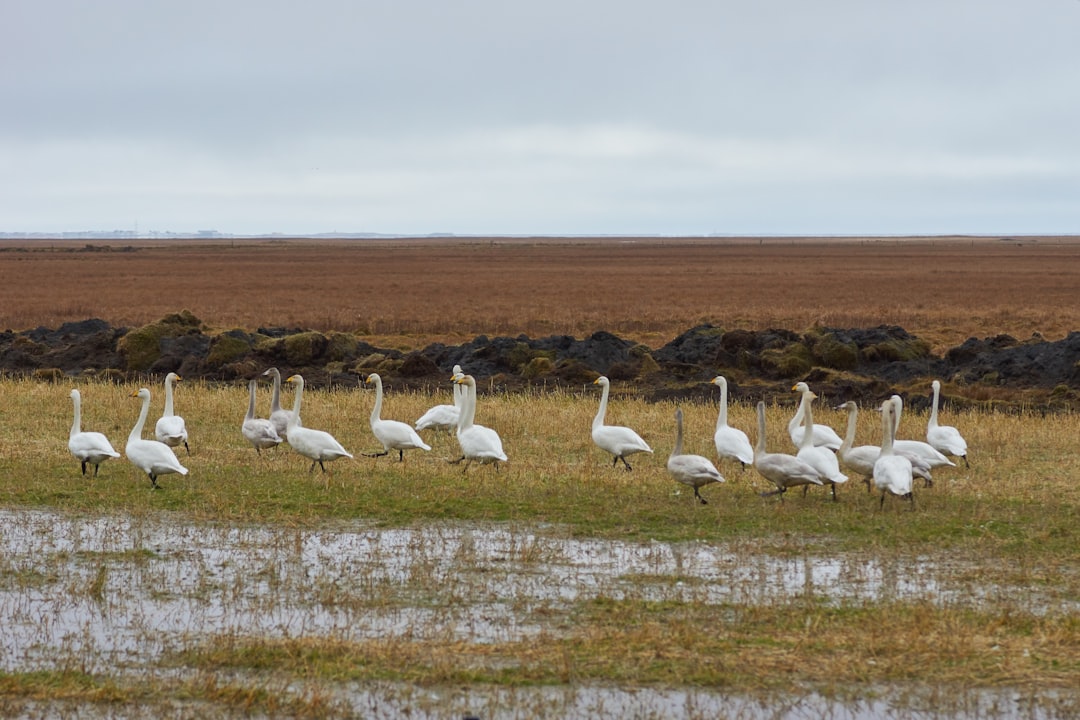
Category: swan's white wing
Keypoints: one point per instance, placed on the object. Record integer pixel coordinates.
(619, 440)
(91, 446)
(481, 443)
(824, 461)
(154, 457)
(171, 430)
(316, 444)
(260, 433)
(733, 443)
(947, 440)
(396, 435)
(440, 417)
(892, 473)
(693, 470)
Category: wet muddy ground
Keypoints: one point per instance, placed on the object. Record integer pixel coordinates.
(114, 595)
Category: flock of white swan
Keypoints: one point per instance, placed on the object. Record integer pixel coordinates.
(820, 458)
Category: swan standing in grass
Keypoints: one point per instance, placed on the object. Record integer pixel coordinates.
(89, 448)
(278, 416)
(892, 472)
(861, 458)
(392, 434)
(478, 443)
(170, 428)
(916, 447)
(730, 442)
(443, 417)
(944, 438)
(618, 440)
(316, 445)
(259, 432)
(153, 457)
(782, 470)
(824, 436)
(821, 459)
(693, 470)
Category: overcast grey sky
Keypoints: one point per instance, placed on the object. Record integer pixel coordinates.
(561, 116)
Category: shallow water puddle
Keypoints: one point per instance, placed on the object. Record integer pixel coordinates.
(111, 591)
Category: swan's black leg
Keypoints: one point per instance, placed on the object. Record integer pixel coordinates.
(614, 460)
(881, 505)
(153, 481)
(321, 466)
(698, 496)
(97, 467)
(911, 497)
(377, 454)
(628, 468)
(834, 492)
(187, 448)
(805, 489)
(778, 491)
(455, 462)
(312, 468)
(966, 463)
(83, 467)
(400, 455)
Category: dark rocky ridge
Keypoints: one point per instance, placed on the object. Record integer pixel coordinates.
(864, 364)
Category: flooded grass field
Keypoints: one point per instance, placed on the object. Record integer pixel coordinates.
(126, 597)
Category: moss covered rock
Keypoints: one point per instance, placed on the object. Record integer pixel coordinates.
(790, 361)
(227, 348)
(141, 347)
(303, 349)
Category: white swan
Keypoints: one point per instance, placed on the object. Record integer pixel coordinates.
(278, 416)
(730, 442)
(443, 417)
(693, 470)
(259, 432)
(478, 443)
(153, 457)
(944, 438)
(821, 459)
(170, 428)
(861, 458)
(316, 445)
(91, 448)
(392, 434)
(892, 472)
(618, 440)
(781, 469)
(823, 434)
(916, 447)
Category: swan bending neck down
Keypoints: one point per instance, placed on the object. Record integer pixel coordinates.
(316, 445)
(944, 438)
(89, 448)
(618, 440)
(892, 472)
(257, 431)
(781, 469)
(693, 470)
(478, 443)
(392, 434)
(278, 416)
(730, 442)
(170, 428)
(153, 457)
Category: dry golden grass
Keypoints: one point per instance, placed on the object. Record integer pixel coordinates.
(408, 293)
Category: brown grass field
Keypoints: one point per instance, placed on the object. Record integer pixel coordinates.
(409, 292)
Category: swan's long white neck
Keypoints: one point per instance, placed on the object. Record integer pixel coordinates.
(602, 412)
(808, 435)
(294, 416)
(888, 428)
(458, 390)
(759, 448)
(721, 418)
(677, 450)
(76, 424)
(849, 437)
(275, 399)
(251, 402)
(799, 415)
(933, 411)
(136, 432)
(168, 397)
(376, 411)
(468, 405)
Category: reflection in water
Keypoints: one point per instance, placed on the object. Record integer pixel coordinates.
(115, 592)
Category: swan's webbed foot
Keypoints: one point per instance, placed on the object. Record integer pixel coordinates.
(698, 496)
(377, 454)
(628, 468)
(966, 463)
(153, 481)
(770, 493)
(455, 462)
(927, 482)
